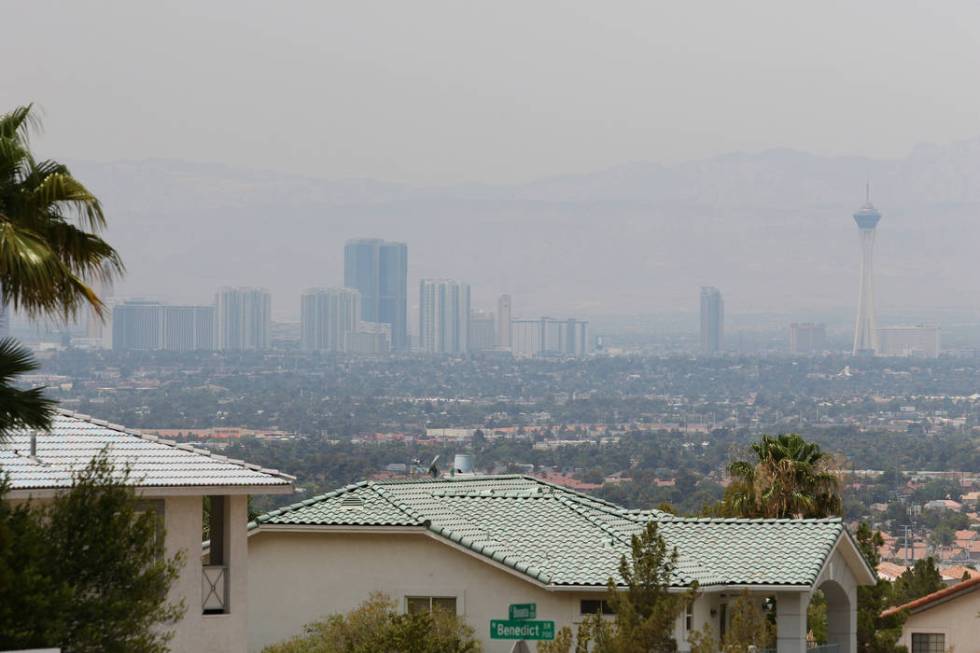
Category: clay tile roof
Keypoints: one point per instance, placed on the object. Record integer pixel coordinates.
(931, 600)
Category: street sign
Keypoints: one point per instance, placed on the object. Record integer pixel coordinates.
(522, 611)
(534, 630)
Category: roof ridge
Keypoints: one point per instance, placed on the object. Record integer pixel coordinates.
(579, 509)
(411, 512)
(625, 539)
(570, 491)
(445, 479)
(747, 520)
(173, 444)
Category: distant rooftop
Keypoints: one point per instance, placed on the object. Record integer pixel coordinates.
(156, 465)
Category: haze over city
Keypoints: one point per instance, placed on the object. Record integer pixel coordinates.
(585, 161)
(470, 327)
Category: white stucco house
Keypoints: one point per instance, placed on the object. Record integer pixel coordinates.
(947, 620)
(479, 544)
(173, 480)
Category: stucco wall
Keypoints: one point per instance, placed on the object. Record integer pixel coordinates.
(197, 632)
(956, 619)
(299, 577)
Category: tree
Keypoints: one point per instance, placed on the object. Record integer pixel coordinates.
(50, 251)
(88, 573)
(20, 408)
(789, 477)
(749, 629)
(375, 625)
(923, 578)
(646, 609)
(50, 248)
(875, 634)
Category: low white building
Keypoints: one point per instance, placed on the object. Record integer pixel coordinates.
(479, 544)
(173, 479)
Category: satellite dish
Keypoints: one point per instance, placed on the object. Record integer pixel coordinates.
(433, 470)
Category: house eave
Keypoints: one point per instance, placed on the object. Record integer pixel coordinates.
(157, 492)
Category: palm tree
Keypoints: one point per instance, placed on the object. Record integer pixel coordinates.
(50, 253)
(790, 477)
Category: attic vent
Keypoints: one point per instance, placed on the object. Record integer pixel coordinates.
(352, 503)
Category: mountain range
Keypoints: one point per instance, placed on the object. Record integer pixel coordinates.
(771, 229)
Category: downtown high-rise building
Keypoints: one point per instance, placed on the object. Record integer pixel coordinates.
(151, 326)
(866, 326)
(378, 269)
(548, 336)
(187, 328)
(807, 338)
(243, 319)
(712, 320)
(137, 325)
(444, 316)
(922, 341)
(483, 331)
(504, 322)
(327, 318)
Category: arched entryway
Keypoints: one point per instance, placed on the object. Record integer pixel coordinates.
(841, 618)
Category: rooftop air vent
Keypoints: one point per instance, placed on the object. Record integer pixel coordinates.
(352, 503)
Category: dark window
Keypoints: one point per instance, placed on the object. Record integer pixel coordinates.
(689, 617)
(595, 606)
(928, 643)
(417, 604)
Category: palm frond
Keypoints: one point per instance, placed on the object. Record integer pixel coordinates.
(56, 187)
(37, 281)
(17, 124)
(20, 408)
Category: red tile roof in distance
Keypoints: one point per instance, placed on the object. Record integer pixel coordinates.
(927, 601)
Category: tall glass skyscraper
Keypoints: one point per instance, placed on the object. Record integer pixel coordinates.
(712, 320)
(378, 269)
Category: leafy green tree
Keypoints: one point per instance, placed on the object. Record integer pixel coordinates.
(789, 477)
(875, 633)
(923, 578)
(376, 625)
(88, 573)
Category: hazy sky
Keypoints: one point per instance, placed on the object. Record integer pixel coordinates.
(442, 92)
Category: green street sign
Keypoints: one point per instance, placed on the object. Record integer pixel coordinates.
(522, 611)
(509, 629)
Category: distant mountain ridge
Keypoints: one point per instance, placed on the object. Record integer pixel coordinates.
(772, 229)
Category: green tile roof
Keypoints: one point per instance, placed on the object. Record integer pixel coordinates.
(561, 537)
